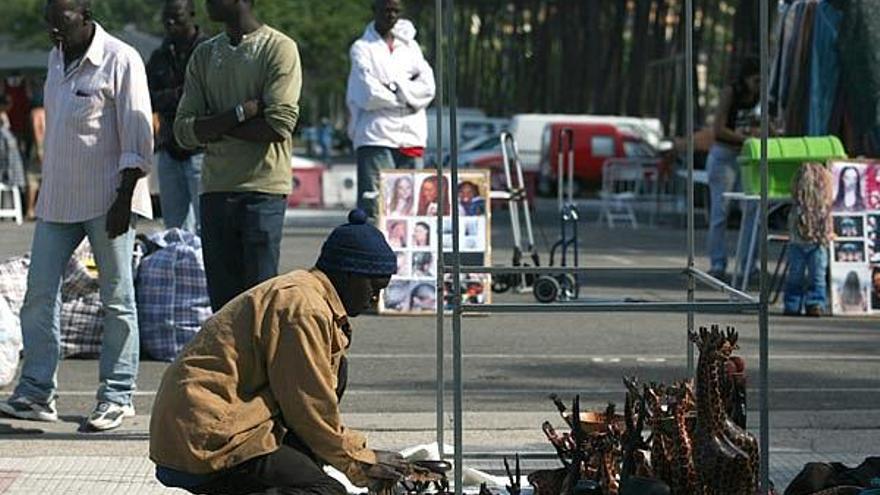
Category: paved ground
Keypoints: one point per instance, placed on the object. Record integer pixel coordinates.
(824, 395)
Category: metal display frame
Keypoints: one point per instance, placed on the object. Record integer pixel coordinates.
(450, 263)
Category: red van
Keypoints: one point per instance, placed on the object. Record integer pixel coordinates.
(593, 145)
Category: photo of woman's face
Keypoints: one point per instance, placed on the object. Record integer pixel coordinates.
(404, 188)
(467, 192)
(397, 233)
(850, 178)
(429, 190)
(421, 235)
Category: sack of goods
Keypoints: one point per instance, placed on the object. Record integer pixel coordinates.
(10, 342)
(82, 314)
(172, 293)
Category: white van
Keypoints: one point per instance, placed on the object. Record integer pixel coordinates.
(528, 130)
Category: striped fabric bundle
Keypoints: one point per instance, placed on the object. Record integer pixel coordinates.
(172, 294)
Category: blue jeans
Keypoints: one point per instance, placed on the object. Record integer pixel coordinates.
(810, 260)
(241, 241)
(179, 184)
(370, 160)
(725, 176)
(52, 247)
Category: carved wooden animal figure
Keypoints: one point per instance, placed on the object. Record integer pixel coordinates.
(721, 466)
(549, 481)
(740, 437)
(661, 444)
(686, 481)
(635, 449)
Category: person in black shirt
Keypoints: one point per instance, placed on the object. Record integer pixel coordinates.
(179, 170)
(734, 123)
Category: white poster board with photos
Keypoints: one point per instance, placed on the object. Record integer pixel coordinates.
(855, 250)
(408, 208)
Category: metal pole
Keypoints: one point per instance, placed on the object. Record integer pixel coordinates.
(764, 319)
(689, 119)
(456, 258)
(438, 62)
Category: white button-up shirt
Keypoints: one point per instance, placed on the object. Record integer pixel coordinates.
(98, 122)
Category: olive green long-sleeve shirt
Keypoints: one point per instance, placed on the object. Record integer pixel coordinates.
(219, 76)
(267, 362)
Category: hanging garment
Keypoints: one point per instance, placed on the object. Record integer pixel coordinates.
(860, 65)
(791, 35)
(824, 68)
(779, 35)
(799, 85)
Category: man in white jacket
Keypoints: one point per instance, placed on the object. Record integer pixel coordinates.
(389, 87)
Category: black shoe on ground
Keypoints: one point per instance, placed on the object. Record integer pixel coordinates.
(814, 311)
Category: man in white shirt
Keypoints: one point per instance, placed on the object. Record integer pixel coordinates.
(99, 143)
(389, 88)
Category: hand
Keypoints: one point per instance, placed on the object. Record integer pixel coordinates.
(252, 108)
(393, 459)
(382, 477)
(119, 216)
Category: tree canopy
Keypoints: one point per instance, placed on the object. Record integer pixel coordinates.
(585, 56)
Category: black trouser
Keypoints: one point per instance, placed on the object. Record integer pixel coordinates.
(288, 470)
(241, 241)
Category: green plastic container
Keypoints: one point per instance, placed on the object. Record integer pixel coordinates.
(784, 157)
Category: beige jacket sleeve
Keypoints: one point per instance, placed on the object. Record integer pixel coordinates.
(302, 380)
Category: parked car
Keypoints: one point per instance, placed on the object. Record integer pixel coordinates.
(472, 123)
(475, 149)
(528, 130)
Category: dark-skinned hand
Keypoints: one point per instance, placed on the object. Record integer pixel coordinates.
(383, 477)
(391, 459)
(119, 216)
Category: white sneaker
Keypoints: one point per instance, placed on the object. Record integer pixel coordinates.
(108, 415)
(22, 407)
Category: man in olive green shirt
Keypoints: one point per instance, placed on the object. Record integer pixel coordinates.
(240, 102)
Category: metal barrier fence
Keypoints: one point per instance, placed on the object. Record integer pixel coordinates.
(740, 302)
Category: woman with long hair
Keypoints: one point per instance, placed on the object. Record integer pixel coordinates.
(421, 235)
(429, 196)
(734, 123)
(401, 201)
(849, 190)
(852, 300)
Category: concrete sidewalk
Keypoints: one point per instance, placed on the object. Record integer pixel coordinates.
(55, 458)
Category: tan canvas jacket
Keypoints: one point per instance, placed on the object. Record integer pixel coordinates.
(266, 362)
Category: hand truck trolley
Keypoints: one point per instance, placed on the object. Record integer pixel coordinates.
(565, 286)
(524, 251)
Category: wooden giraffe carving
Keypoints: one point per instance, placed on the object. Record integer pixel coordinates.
(686, 481)
(661, 444)
(721, 466)
(635, 449)
(740, 437)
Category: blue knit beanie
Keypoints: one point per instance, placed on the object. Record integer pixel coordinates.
(357, 247)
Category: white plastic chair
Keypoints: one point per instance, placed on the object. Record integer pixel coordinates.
(622, 184)
(14, 211)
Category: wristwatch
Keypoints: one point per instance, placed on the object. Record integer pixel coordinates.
(239, 113)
